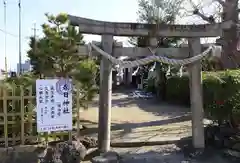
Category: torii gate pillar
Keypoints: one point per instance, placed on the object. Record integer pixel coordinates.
(105, 97)
(195, 83)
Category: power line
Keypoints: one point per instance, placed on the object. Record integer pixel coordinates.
(11, 2)
(13, 35)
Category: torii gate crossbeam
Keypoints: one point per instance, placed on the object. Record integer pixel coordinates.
(90, 26)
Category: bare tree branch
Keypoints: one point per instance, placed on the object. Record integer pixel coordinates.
(198, 11)
(222, 3)
(209, 19)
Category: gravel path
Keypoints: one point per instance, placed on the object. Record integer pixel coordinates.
(149, 120)
(143, 119)
(168, 154)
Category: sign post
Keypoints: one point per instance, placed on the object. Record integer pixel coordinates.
(54, 105)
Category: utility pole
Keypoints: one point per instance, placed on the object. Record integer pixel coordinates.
(5, 36)
(35, 37)
(20, 37)
(35, 40)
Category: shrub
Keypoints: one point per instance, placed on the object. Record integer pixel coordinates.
(221, 93)
(177, 90)
(150, 85)
(14, 87)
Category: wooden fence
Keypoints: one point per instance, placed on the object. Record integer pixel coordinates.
(18, 118)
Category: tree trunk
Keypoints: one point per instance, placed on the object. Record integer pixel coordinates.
(230, 58)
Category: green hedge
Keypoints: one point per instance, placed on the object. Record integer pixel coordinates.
(177, 90)
(221, 93)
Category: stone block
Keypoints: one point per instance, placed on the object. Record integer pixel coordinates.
(109, 157)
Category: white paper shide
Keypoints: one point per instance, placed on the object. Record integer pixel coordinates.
(54, 105)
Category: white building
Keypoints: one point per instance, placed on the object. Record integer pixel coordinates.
(25, 66)
(2, 76)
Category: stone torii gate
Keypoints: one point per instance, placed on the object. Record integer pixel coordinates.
(109, 29)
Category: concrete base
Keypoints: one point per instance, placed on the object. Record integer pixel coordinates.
(101, 159)
(109, 157)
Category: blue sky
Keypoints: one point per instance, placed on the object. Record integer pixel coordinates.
(33, 11)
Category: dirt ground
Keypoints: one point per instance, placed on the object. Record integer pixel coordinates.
(140, 119)
(143, 119)
(135, 110)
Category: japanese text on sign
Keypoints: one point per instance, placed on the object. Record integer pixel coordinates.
(54, 105)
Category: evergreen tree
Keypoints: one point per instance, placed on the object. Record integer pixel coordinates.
(157, 12)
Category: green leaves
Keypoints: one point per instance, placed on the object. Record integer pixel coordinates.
(55, 55)
(221, 93)
(56, 51)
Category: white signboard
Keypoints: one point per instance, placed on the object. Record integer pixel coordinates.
(54, 105)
